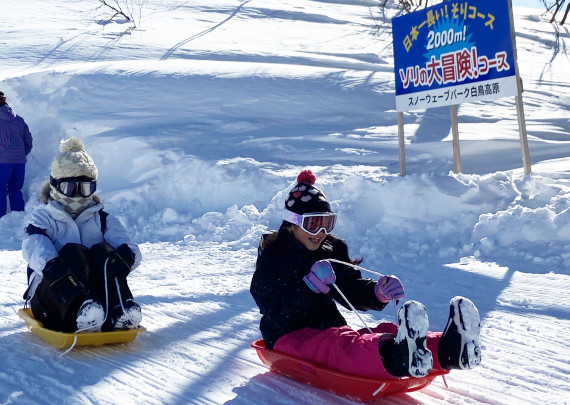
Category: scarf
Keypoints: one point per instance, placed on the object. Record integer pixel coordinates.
(74, 206)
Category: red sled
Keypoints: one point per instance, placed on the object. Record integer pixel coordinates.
(353, 386)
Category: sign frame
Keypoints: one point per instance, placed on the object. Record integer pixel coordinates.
(454, 52)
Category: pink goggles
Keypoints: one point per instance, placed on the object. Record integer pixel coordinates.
(312, 223)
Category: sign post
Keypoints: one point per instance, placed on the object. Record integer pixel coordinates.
(519, 102)
(455, 135)
(401, 143)
(455, 52)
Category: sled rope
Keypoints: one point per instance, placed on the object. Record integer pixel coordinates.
(352, 308)
(106, 289)
(396, 302)
(106, 299)
(106, 310)
(355, 266)
(70, 347)
(348, 302)
(120, 297)
(381, 387)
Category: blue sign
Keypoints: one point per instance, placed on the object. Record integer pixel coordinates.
(454, 52)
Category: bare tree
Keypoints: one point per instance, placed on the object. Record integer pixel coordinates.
(565, 14)
(126, 9)
(559, 4)
(409, 5)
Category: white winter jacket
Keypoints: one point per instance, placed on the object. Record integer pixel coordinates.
(60, 229)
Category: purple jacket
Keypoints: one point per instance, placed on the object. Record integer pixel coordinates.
(15, 137)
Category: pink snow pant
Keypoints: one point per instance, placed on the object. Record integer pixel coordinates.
(346, 349)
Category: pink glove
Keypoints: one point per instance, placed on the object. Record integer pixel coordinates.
(320, 275)
(389, 288)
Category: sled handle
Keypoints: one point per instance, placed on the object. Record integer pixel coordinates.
(396, 302)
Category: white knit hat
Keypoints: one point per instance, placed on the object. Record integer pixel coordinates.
(73, 161)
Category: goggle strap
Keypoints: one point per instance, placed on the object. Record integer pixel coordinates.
(293, 218)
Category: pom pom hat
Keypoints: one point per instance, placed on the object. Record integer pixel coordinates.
(73, 161)
(305, 198)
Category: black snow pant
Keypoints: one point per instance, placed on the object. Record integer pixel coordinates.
(56, 305)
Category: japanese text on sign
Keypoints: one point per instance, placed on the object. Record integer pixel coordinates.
(450, 45)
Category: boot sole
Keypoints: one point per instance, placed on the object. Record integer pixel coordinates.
(466, 318)
(414, 331)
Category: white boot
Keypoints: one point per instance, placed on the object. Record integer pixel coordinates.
(411, 355)
(460, 346)
(130, 318)
(90, 316)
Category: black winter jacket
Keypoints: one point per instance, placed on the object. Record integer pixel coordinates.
(287, 303)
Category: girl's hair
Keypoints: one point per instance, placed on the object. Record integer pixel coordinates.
(273, 236)
(284, 226)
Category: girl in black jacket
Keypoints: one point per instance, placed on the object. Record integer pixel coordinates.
(292, 287)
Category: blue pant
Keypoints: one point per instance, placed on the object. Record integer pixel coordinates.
(11, 183)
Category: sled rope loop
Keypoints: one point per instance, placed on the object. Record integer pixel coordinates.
(106, 309)
(396, 302)
(383, 385)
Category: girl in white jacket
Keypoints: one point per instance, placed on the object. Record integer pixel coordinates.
(78, 255)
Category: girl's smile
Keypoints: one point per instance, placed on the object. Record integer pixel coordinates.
(309, 241)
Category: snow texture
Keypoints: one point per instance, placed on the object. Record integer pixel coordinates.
(200, 119)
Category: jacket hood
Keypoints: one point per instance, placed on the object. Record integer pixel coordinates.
(6, 113)
(45, 197)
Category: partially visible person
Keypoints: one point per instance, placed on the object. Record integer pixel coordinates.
(15, 145)
(79, 256)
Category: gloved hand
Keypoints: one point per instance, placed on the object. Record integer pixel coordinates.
(389, 288)
(64, 286)
(55, 269)
(120, 262)
(320, 275)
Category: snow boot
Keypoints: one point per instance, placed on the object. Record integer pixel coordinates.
(90, 316)
(130, 318)
(411, 355)
(459, 346)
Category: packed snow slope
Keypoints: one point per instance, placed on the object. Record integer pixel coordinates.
(199, 120)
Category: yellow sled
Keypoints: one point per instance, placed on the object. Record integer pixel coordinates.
(63, 340)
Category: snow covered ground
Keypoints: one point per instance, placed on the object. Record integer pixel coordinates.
(200, 119)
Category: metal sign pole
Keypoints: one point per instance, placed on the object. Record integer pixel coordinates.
(455, 133)
(522, 134)
(519, 102)
(401, 143)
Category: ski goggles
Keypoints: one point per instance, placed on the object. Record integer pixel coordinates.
(71, 186)
(312, 223)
